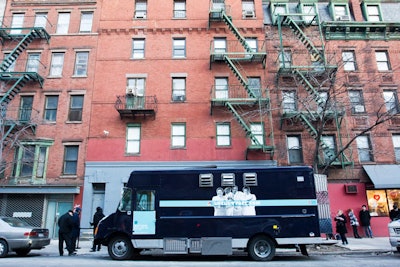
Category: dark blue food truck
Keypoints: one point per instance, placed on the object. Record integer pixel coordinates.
(214, 211)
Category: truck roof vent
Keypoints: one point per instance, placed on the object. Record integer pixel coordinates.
(206, 180)
(227, 179)
(250, 179)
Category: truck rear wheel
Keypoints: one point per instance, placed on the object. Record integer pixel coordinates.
(120, 248)
(261, 248)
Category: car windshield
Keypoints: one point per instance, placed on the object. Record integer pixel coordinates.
(14, 222)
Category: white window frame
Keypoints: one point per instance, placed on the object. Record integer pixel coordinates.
(40, 20)
(17, 22)
(57, 64)
(179, 47)
(382, 60)
(220, 45)
(178, 135)
(221, 88)
(140, 9)
(257, 129)
(295, 149)
(178, 89)
(396, 146)
(86, 22)
(138, 48)
(81, 63)
(289, 102)
(364, 148)
(179, 9)
(248, 9)
(133, 138)
(373, 12)
(63, 22)
(329, 141)
(33, 62)
(349, 61)
(391, 101)
(223, 134)
(356, 101)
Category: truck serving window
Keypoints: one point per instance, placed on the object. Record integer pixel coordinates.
(126, 200)
(145, 200)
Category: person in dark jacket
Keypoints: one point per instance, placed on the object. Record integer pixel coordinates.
(96, 219)
(365, 220)
(394, 214)
(76, 230)
(65, 224)
(341, 226)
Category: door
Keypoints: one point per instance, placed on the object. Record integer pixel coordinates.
(55, 210)
(144, 215)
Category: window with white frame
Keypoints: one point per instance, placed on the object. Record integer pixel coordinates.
(285, 59)
(219, 45)
(138, 46)
(254, 84)
(341, 12)
(133, 135)
(17, 22)
(32, 65)
(179, 47)
(136, 86)
(75, 108)
(382, 60)
(140, 9)
(253, 44)
(86, 21)
(349, 61)
(50, 108)
(391, 101)
(356, 101)
(221, 88)
(257, 130)
(396, 146)
(40, 20)
(25, 108)
(323, 96)
(289, 101)
(218, 5)
(373, 13)
(178, 89)
(330, 146)
(308, 11)
(364, 148)
(81, 63)
(71, 153)
(278, 9)
(178, 135)
(179, 9)
(295, 151)
(57, 63)
(223, 134)
(63, 22)
(248, 9)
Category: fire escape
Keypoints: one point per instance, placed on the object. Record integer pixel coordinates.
(313, 70)
(243, 98)
(14, 81)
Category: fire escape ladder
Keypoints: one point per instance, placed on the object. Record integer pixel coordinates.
(235, 31)
(309, 88)
(235, 69)
(244, 125)
(15, 89)
(317, 55)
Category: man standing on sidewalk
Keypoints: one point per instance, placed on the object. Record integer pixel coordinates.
(65, 224)
(365, 220)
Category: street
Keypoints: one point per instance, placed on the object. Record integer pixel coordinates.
(49, 257)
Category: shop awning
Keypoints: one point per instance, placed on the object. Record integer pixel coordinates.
(384, 176)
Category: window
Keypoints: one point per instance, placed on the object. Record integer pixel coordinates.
(140, 9)
(133, 139)
(219, 45)
(178, 89)
(349, 61)
(31, 160)
(289, 101)
(40, 20)
(86, 21)
(178, 135)
(252, 43)
(63, 23)
(323, 96)
(329, 146)
(25, 109)
(316, 61)
(145, 200)
(257, 130)
(391, 102)
(218, 5)
(81, 63)
(285, 59)
(135, 93)
(179, 9)
(382, 60)
(278, 9)
(341, 12)
(307, 8)
(223, 134)
(356, 101)
(179, 47)
(70, 159)
(221, 88)
(138, 48)
(75, 108)
(396, 145)
(294, 149)
(57, 63)
(32, 65)
(364, 148)
(254, 84)
(17, 23)
(248, 10)
(50, 108)
(372, 12)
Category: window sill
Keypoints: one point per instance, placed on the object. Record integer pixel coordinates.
(54, 77)
(74, 122)
(79, 76)
(68, 176)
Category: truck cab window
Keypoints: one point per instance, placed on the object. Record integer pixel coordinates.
(126, 200)
(145, 200)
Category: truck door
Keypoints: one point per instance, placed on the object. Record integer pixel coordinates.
(144, 215)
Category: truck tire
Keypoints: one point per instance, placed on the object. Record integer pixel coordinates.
(3, 248)
(261, 248)
(120, 248)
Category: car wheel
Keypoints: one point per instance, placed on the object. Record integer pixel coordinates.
(23, 252)
(261, 248)
(120, 248)
(3, 248)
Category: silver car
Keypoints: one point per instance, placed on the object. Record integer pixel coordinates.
(20, 237)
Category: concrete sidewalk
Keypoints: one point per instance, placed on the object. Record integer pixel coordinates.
(376, 244)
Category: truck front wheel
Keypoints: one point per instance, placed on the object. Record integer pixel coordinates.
(120, 248)
(261, 248)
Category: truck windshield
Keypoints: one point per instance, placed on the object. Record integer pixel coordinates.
(126, 200)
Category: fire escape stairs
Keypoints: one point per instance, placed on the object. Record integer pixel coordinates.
(235, 31)
(309, 88)
(235, 68)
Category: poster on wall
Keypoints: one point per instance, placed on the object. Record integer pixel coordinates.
(377, 203)
(393, 196)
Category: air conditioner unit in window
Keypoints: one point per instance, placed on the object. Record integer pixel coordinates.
(248, 14)
(351, 188)
(344, 18)
(180, 98)
(140, 15)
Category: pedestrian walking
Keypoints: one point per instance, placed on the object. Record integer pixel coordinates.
(76, 230)
(365, 220)
(65, 224)
(341, 226)
(354, 223)
(98, 215)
